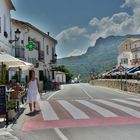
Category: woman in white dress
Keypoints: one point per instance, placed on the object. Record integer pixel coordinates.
(32, 93)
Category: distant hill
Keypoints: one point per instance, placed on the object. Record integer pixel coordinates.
(98, 57)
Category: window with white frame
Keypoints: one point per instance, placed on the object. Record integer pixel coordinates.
(0, 24)
(124, 61)
(47, 50)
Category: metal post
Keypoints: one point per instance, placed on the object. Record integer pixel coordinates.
(121, 75)
(121, 80)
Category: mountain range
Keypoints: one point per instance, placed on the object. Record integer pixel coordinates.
(98, 58)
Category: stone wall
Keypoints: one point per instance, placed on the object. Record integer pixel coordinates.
(126, 85)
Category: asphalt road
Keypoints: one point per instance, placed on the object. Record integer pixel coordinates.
(119, 126)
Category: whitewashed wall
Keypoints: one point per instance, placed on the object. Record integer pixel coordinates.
(5, 25)
(60, 77)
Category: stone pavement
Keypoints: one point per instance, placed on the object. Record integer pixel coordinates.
(13, 131)
(6, 134)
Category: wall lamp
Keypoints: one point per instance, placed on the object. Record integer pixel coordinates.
(17, 36)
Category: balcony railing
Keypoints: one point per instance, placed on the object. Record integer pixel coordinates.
(20, 52)
(135, 49)
(135, 61)
(53, 61)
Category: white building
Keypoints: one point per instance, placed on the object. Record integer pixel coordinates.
(60, 77)
(125, 54)
(42, 56)
(5, 26)
(129, 52)
(135, 49)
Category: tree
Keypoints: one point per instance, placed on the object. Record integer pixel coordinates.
(69, 75)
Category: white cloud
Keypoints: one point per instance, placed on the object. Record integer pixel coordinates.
(131, 3)
(70, 34)
(118, 24)
(119, 18)
(76, 52)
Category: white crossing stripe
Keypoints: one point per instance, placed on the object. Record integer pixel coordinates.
(74, 111)
(134, 99)
(104, 112)
(121, 107)
(127, 102)
(47, 111)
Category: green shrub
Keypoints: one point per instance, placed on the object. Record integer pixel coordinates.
(11, 104)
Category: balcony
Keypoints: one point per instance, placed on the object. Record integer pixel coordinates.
(135, 49)
(20, 52)
(54, 59)
(135, 61)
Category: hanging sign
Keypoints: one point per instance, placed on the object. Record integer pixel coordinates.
(30, 46)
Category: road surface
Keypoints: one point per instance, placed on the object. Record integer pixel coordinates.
(84, 112)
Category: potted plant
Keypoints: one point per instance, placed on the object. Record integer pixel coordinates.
(11, 108)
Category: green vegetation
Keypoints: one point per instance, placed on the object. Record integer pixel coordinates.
(102, 56)
(11, 104)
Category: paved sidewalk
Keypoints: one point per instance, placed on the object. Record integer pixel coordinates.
(14, 129)
(5, 134)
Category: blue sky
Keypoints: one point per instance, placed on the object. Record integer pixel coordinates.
(76, 24)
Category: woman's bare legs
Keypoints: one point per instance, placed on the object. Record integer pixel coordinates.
(34, 106)
(30, 106)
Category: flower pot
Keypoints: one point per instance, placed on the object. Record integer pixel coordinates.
(11, 114)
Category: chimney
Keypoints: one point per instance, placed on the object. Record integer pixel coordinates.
(48, 33)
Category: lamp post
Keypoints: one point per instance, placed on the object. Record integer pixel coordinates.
(17, 36)
(121, 74)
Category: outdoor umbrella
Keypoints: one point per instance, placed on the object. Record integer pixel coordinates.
(11, 61)
(24, 66)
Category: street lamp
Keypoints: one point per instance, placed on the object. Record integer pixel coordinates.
(17, 35)
(55, 57)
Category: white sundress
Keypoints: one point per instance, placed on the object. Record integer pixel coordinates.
(32, 92)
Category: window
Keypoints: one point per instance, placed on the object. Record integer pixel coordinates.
(19, 52)
(0, 24)
(130, 46)
(53, 76)
(29, 39)
(47, 50)
(126, 46)
(41, 75)
(124, 61)
(4, 23)
(5, 32)
(53, 52)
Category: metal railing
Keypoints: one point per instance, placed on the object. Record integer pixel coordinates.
(135, 49)
(20, 52)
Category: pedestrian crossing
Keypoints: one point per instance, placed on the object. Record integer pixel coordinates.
(74, 111)
(89, 109)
